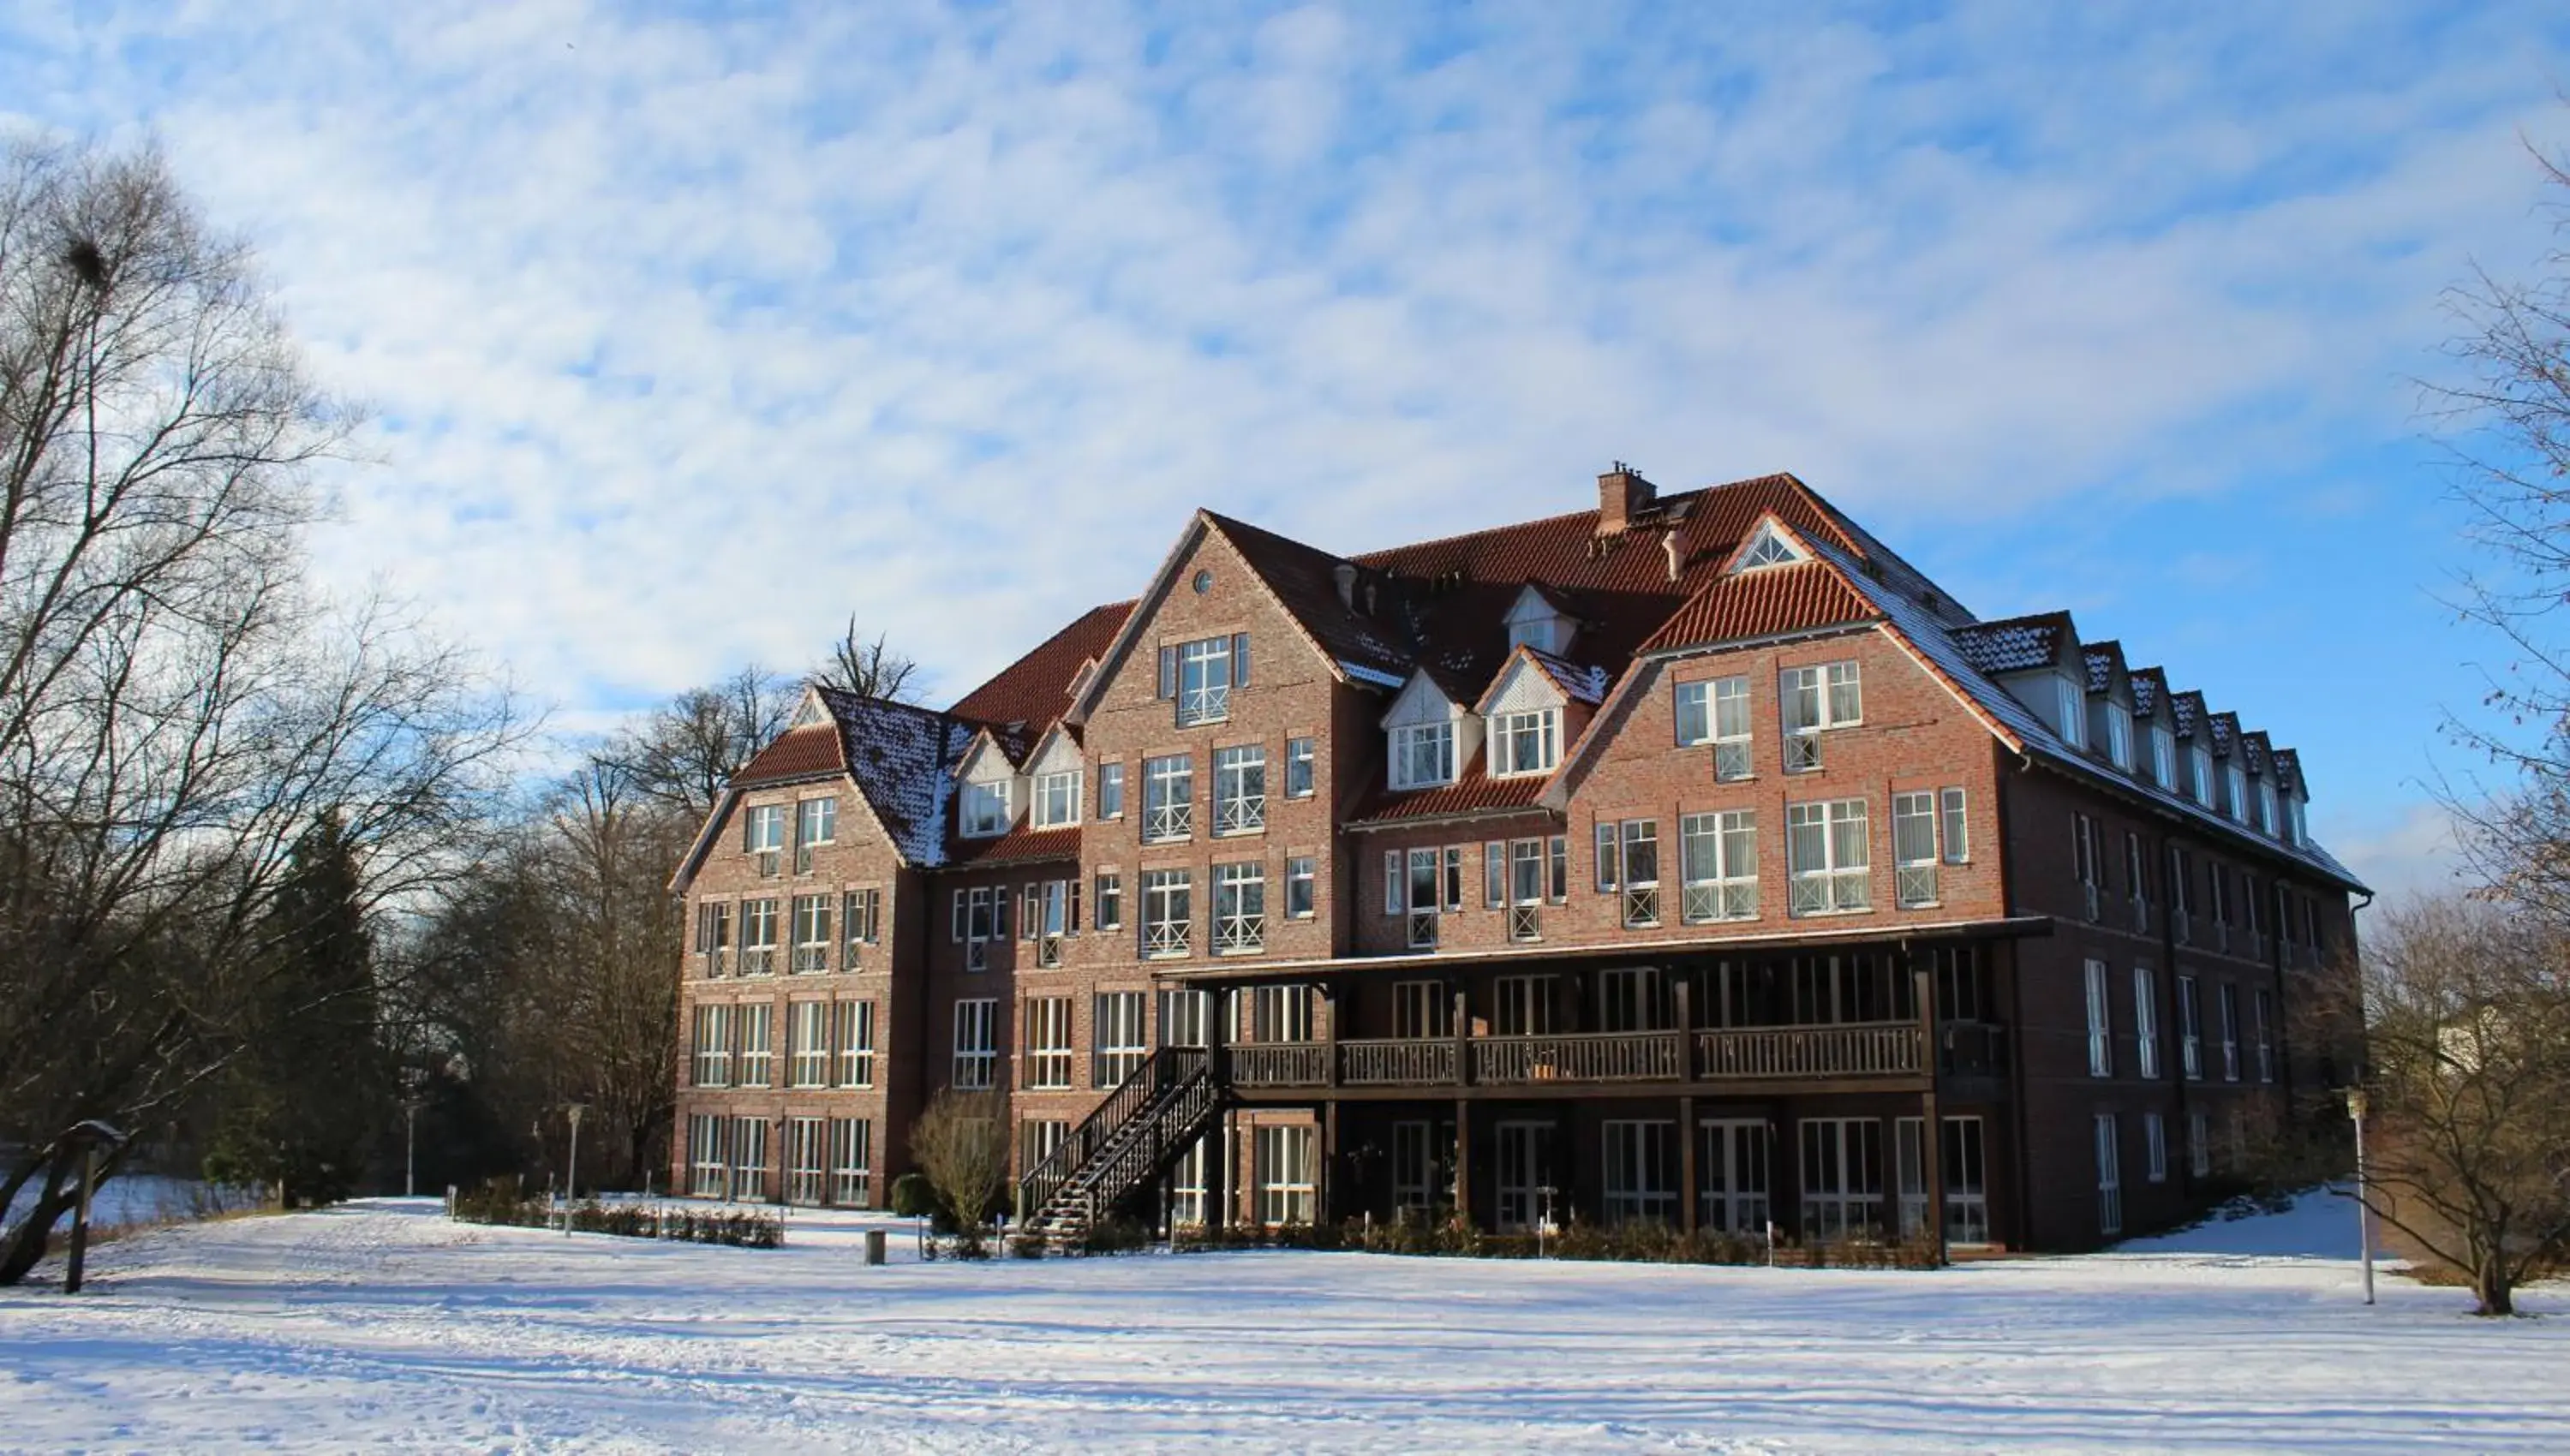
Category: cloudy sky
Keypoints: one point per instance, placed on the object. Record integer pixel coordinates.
(689, 333)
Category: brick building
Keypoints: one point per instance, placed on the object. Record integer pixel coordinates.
(1687, 858)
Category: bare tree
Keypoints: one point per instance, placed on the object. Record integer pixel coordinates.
(960, 1144)
(177, 708)
(688, 750)
(867, 669)
(2468, 1008)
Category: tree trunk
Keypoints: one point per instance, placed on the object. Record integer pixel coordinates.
(27, 1244)
(2493, 1287)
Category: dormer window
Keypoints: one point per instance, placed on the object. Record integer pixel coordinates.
(2073, 712)
(1533, 621)
(2163, 758)
(2296, 829)
(2202, 789)
(1057, 799)
(1422, 755)
(2236, 804)
(986, 809)
(1767, 548)
(1525, 742)
(2266, 809)
(2119, 735)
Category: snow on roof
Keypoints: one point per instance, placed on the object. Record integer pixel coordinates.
(2019, 645)
(903, 758)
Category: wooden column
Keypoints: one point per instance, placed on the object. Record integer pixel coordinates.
(1217, 1166)
(1324, 1198)
(1330, 1030)
(1689, 1185)
(1686, 1033)
(1464, 1163)
(1932, 1133)
(1463, 1029)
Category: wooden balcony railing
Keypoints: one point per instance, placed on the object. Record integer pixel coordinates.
(1758, 1053)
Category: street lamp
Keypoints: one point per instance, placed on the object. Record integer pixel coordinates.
(2355, 1108)
(571, 1178)
(412, 1081)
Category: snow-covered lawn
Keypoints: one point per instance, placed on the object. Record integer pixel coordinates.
(382, 1325)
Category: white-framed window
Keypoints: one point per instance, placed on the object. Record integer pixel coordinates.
(1913, 848)
(812, 933)
(1732, 1175)
(2236, 795)
(2154, 1148)
(713, 935)
(1239, 909)
(1718, 858)
(2087, 861)
(1641, 1171)
(2101, 1031)
(1280, 1013)
(2071, 707)
(1769, 549)
(757, 1046)
(2163, 757)
(1169, 798)
(1813, 700)
(1240, 789)
(763, 835)
(2265, 808)
(1202, 674)
(1116, 1019)
(2262, 1009)
(710, 1063)
(748, 1144)
(2119, 735)
(2111, 1177)
(1057, 799)
(1955, 827)
(1298, 767)
(1048, 1038)
(1302, 882)
(1188, 1186)
(1525, 889)
(860, 923)
(2228, 1001)
(1109, 914)
(1639, 860)
(1842, 1178)
(2202, 759)
(816, 823)
(1168, 912)
(1110, 790)
(1524, 1006)
(2137, 881)
(1185, 1017)
(807, 1144)
(1525, 742)
(852, 1162)
(1421, 892)
(1694, 713)
(2146, 1021)
(852, 1042)
(1965, 1169)
(1828, 856)
(1422, 755)
(1634, 999)
(976, 1044)
(709, 1155)
(2190, 1030)
(808, 1044)
(986, 809)
(1283, 1174)
(1716, 711)
(1422, 1009)
(2199, 1145)
(757, 936)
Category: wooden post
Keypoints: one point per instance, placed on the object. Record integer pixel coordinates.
(1325, 1197)
(1464, 1162)
(1932, 1133)
(1686, 1034)
(1330, 1030)
(79, 1219)
(1462, 1046)
(1218, 1174)
(1690, 1186)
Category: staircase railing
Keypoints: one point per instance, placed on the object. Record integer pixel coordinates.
(1163, 1072)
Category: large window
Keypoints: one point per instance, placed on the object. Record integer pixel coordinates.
(1525, 742)
(1828, 856)
(1110, 911)
(1185, 1017)
(1718, 856)
(1280, 1013)
(1239, 909)
(757, 1046)
(807, 1142)
(1842, 1178)
(1169, 798)
(852, 1162)
(1047, 1037)
(757, 936)
(2230, 1006)
(2154, 1148)
(2111, 1177)
(977, 1046)
(2119, 735)
(714, 935)
(2163, 758)
(1422, 754)
(816, 823)
(1640, 863)
(710, 1064)
(1301, 886)
(812, 933)
(1240, 789)
(762, 830)
(986, 809)
(1298, 767)
(2072, 712)
(1641, 1171)
(1717, 712)
(1283, 1176)
(2263, 1011)
(1057, 799)
(852, 1042)
(1110, 790)
(1813, 700)
(2146, 1021)
(2101, 1034)
(1422, 1009)
(1201, 675)
(1168, 912)
(1117, 1018)
(860, 923)
(709, 1155)
(1913, 848)
(1732, 1176)
(808, 1044)
(2190, 1030)
(1525, 889)
(1524, 1006)
(748, 1144)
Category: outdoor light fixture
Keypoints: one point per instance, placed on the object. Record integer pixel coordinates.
(570, 1179)
(2355, 1108)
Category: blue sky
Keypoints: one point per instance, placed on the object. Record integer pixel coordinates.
(692, 331)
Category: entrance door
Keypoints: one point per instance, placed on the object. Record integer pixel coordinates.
(1526, 1170)
(1414, 1169)
(1732, 1167)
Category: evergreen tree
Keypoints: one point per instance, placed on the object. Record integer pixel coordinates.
(309, 1090)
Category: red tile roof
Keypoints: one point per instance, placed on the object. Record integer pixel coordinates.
(798, 753)
(1035, 689)
(1474, 793)
(1019, 845)
(1761, 604)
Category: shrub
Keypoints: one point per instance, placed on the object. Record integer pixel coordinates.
(914, 1197)
(499, 1204)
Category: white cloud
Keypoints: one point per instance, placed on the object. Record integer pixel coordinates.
(692, 337)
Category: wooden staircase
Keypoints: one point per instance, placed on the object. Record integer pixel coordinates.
(1144, 1126)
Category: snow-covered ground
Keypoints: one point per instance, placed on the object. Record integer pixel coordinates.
(382, 1325)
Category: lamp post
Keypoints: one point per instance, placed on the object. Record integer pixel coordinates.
(412, 1080)
(2355, 1108)
(571, 1177)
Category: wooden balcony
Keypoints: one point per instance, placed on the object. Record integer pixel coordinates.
(1884, 1049)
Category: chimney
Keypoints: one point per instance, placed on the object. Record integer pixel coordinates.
(1670, 543)
(1622, 495)
(1346, 574)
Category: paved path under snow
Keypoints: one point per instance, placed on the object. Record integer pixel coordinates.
(382, 1325)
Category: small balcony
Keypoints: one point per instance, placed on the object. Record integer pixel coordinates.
(1890, 1049)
